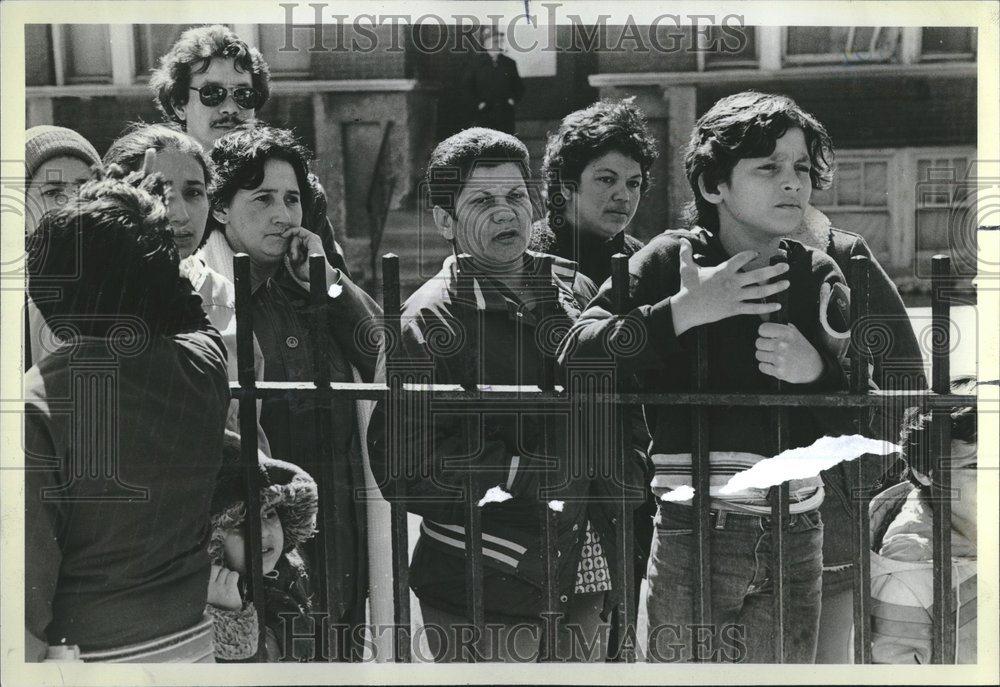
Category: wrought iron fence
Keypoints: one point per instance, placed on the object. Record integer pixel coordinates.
(402, 385)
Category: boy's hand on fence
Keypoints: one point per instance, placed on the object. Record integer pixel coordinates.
(223, 589)
(783, 353)
(301, 245)
(710, 294)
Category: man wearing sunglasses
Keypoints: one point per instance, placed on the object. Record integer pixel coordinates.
(210, 83)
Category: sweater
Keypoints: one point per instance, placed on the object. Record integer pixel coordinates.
(650, 349)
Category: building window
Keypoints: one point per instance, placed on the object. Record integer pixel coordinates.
(87, 50)
(948, 43)
(285, 64)
(858, 201)
(840, 44)
(732, 48)
(946, 211)
(39, 65)
(152, 41)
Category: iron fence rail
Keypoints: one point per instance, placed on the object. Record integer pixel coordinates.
(402, 385)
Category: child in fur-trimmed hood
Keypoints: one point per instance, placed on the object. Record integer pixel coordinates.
(289, 501)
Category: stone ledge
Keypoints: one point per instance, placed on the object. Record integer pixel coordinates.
(838, 71)
(278, 87)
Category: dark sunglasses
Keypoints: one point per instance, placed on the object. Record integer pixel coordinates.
(246, 97)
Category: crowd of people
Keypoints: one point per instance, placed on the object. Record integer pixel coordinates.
(136, 546)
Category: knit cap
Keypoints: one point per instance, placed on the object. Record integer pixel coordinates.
(42, 143)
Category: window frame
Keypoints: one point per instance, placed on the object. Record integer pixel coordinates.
(871, 56)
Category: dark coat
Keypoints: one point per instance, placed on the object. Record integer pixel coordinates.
(113, 562)
(283, 326)
(896, 365)
(664, 361)
(493, 85)
(508, 445)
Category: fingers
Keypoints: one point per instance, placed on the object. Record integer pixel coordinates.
(757, 308)
(761, 275)
(763, 344)
(686, 257)
(773, 330)
(767, 357)
(769, 369)
(148, 159)
(748, 292)
(740, 259)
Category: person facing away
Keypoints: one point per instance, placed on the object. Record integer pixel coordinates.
(752, 162)
(477, 181)
(288, 504)
(116, 524)
(492, 84)
(260, 194)
(56, 161)
(902, 558)
(210, 83)
(183, 165)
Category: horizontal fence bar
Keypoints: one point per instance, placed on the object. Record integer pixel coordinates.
(375, 391)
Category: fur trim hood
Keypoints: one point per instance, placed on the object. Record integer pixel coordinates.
(284, 486)
(815, 230)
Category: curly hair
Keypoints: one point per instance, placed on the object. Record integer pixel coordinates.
(455, 158)
(584, 135)
(109, 255)
(239, 159)
(192, 54)
(746, 125)
(915, 438)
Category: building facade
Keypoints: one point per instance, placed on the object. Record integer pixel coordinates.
(900, 104)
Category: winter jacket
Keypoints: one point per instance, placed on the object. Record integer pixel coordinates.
(902, 580)
(663, 361)
(593, 256)
(591, 253)
(509, 445)
(282, 325)
(115, 562)
(218, 298)
(896, 364)
(293, 494)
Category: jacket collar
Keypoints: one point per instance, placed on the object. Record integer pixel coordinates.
(815, 230)
(491, 295)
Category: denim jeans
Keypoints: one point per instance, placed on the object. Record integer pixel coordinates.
(742, 627)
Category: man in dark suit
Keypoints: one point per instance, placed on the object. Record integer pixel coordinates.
(493, 84)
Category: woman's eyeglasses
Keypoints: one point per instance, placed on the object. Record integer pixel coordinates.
(245, 97)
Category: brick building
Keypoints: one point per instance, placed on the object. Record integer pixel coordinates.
(900, 104)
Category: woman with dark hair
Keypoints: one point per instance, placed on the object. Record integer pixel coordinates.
(119, 481)
(596, 169)
(260, 194)
(180, 160)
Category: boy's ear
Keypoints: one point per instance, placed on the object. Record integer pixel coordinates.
(444, 222)
(221, 215)
(713, 197)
